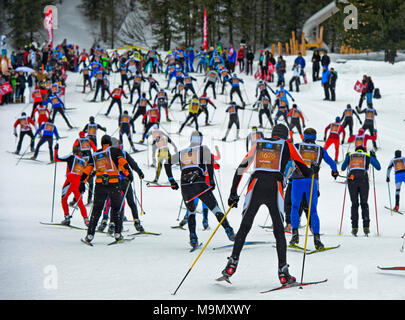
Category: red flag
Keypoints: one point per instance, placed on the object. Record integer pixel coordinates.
(271, 68)
(5, 88)
(205, 30)
(358, 86)
(49, 25)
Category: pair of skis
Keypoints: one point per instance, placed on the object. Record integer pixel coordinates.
(111, 243)
(285, 286)
(308, 251)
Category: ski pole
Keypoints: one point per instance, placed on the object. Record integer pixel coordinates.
(136, 198)
(181, 205)
(22, 155)
(202, 250)
(375, 204)
(389, 196)
(123, 198)
(53, 195)
(343, 210)
(306, 232)
(403, 243)
(219, 191)
(201, 193)
(140, 182)
(76, 204)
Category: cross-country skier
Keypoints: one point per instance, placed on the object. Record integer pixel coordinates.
(107, 162)
(195, 162)
(347, 118)
(270, 157)
(336, 129)
(398, 163)
(91, 129)
(26, 124)
(73, 184)
(296, 115)
(357, 164)
(233, 119)
(313, 155)
(49, 130)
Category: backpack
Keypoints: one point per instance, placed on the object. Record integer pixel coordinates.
(377, 94)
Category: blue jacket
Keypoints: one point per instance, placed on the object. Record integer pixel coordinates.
(325, 76)
(300, 61)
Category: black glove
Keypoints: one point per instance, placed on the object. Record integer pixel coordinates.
(343, 142)
(388, 179)
(315, 167)
(324, 138)
(335, 174)
(130, 176)
(57, 146)
(15, 134)
(82, 187)
(141, 175)
(173, 184)
(233, 200)
(372, 153)
(212, 184)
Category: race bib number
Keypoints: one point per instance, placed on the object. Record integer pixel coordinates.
(399, 165)
(309, 154)
(189, 158)
(194, 107)
(78, 166)
(357, 161)
(369, 115)
(84, 144)
(49, 127)
(334, 128)
(103, 162)
(268, 156)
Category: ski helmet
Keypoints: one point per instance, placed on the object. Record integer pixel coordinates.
(398, 154)
(337, 119)
(106, 140)
(91, 119)
(309, 134)
(361, 131)
(82, 134)
(196, 137)
(280, 131)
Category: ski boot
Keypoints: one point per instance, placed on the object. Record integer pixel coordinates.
(16, 152)
(118, 237)
(33, 158)
(134, 149)
(111, 229)
(230, 233)
(183, 222)
(366, 231)
(102, 225)
(141, 141)
(295, 238)
(288, 228)
(354, 231)
(87, 222)
(230, 268)
(284, 276)
(89, 238)
(138, 226)
(205, 219)
(396, 208)
(124, 218)
(205, 224)
(66, 222)
(193, 240)
(317, 242)
(224, 139)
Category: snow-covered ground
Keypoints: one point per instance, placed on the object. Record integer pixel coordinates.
(151, 267)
